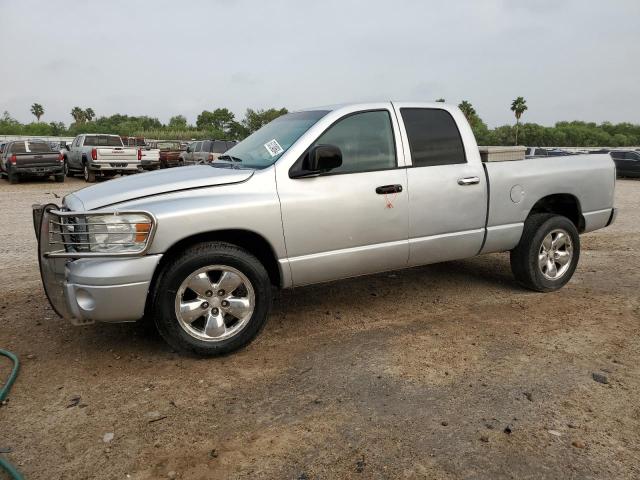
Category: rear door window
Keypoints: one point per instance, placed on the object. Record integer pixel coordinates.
(434, 138)
(219, 146)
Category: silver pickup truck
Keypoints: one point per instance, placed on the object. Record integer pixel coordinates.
(314, 196)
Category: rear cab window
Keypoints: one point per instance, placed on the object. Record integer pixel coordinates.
(434, 138)
(102, 141)
(31, 147)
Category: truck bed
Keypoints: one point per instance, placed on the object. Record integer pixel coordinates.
(515, 186)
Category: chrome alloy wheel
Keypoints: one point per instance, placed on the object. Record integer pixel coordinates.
(555, 254)
(215, 303)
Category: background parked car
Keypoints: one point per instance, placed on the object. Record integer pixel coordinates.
(31, 158)
(205, 151)
(558, 152)
(149, 156)
(627, 163)
(170, 151)
(533, 152)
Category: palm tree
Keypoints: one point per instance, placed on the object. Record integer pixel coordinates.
(89, 114)
(78, 114)
(468, 110)
(37, 110)
(518, 107)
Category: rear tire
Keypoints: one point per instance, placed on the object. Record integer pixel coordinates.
(548, 252)
(203, 266)
(59, 178)
(13, 177)
(89, 175)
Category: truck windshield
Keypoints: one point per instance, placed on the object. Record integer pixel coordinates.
(263, 147)
(102, 141)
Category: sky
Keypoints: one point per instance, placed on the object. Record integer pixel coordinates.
(570, 59)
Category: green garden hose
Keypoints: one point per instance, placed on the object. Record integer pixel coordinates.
(4, 391)
(12, 376)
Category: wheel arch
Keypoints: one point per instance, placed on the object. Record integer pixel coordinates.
(564, 204)
(249, 240)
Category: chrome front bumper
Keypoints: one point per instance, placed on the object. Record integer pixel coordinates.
(85, 290)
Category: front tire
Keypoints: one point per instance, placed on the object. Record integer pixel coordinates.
(212, 299)
(548, 252)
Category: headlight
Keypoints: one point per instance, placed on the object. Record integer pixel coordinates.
(118, 233)
(88, 234)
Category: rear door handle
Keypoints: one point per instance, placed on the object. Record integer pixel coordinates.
(385, 189)
(468, 180)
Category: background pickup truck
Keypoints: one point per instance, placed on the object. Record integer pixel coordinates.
(30, 157)
(149, 155)
(100, 155)
(314, 196)
(169, 152)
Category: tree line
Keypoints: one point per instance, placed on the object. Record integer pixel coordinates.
(221, 123)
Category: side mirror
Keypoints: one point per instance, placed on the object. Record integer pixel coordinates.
(188, 149)
(67, 146)
(321, 158)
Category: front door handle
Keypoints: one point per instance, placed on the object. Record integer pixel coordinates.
(386, 189)
(468, 180)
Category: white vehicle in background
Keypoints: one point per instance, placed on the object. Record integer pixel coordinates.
(149, 156)
(98, 155)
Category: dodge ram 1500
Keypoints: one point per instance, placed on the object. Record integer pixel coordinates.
(314, 196)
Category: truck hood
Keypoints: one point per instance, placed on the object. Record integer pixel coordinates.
(153, 183)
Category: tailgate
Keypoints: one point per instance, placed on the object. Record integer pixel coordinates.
(169, 155)
(150, 155)
(29, 160)
(121, 154)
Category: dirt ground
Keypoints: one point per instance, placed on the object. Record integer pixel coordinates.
(448, 371)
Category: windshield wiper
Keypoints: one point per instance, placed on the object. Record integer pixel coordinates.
(229, 157)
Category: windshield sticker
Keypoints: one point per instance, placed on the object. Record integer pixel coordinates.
(273, 147)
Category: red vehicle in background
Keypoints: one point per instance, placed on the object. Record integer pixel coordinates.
(170, 151)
